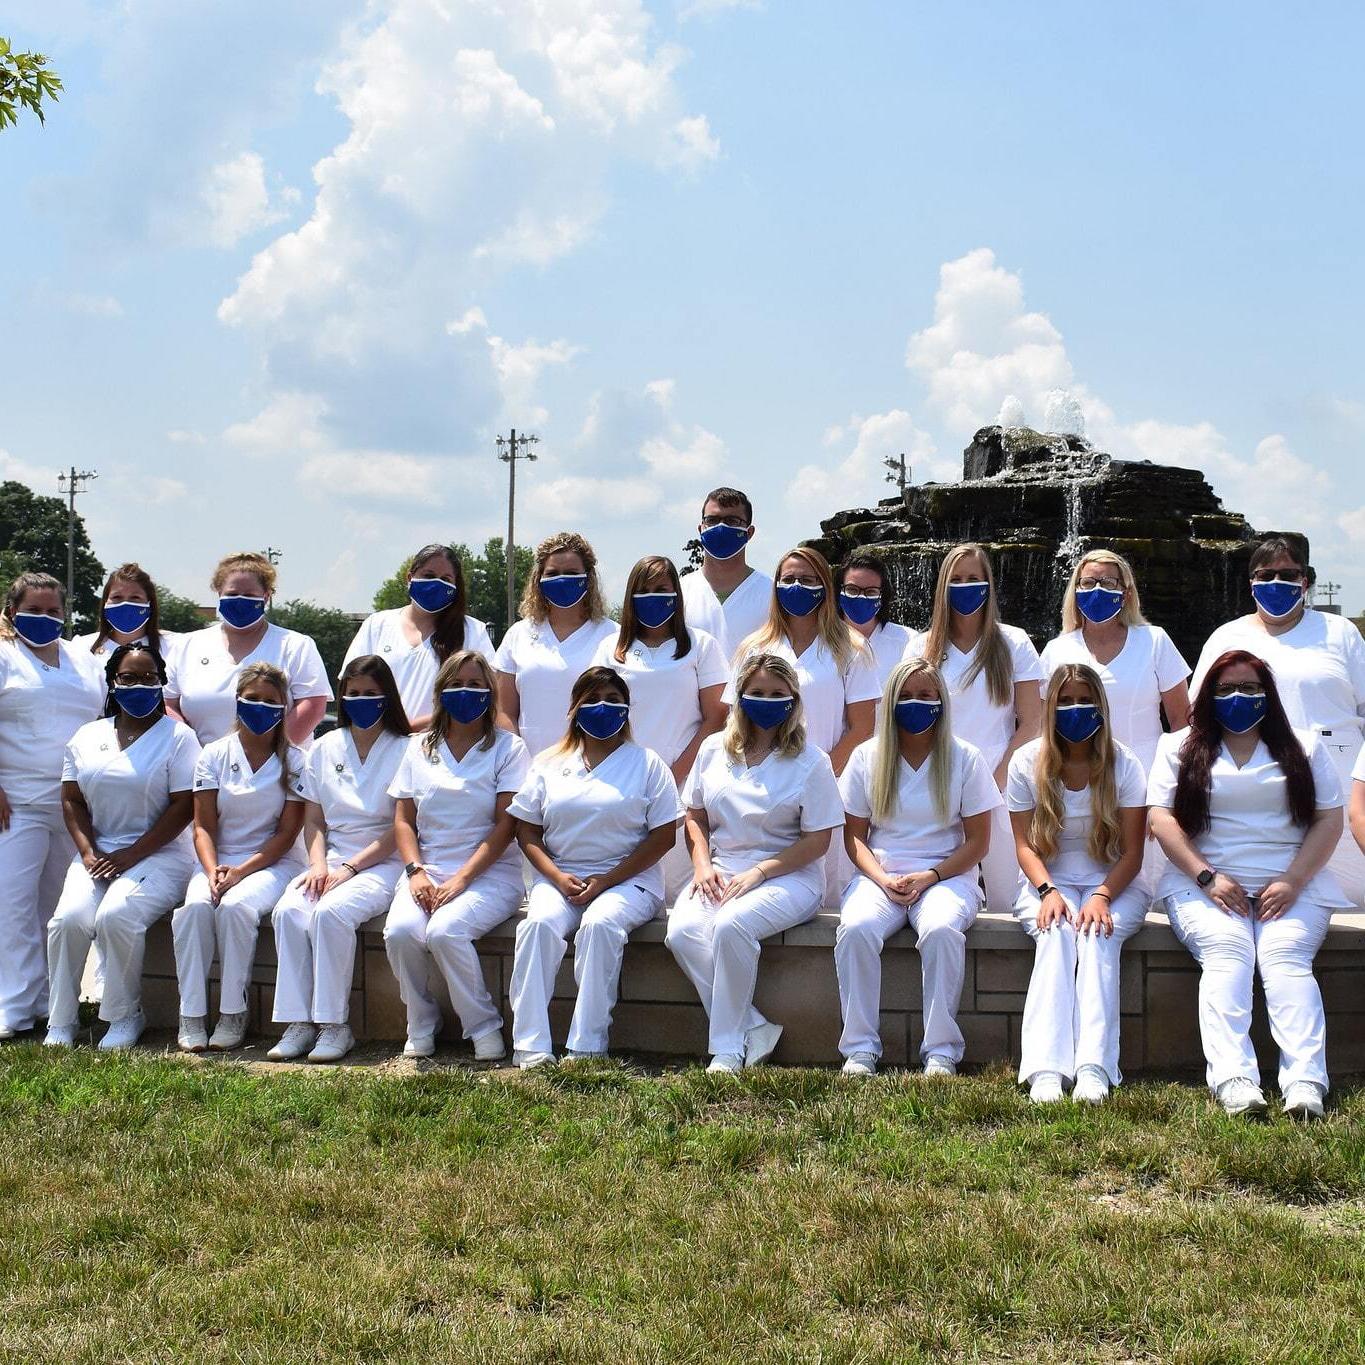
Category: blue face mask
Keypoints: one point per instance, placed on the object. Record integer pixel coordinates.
(1277, 599)
(431, 594)
(859, 610)
(968, 598)
(138, 699)
(1239, 712)
(915, 717)
(796, 599)
(241, 613)
(654, 608)
(723, 542)
(767, 712)
(566, 590)
(260, 717)
(36, 629)
(466, 704)
(602, 719)
(1099, 604)
(127, 617)
(364, 711)
(1078, 723)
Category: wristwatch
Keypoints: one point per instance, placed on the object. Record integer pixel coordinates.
(1043, 888)
(1205, 878)
(412, 869)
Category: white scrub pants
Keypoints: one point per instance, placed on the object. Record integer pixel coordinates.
(116, 915)
(315, 945)
(413, 939)
(940, 918)
(1000, 866)
(599, 946)
(676, 866)
(1071, 1015)
(718, 947)
(35, 852)
(233, 926)
(1229, 949)
(1347, 863)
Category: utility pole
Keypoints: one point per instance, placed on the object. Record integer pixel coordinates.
(71, 484)
(273, 556)
(900, 471)
(1329, 592)
(511, 449)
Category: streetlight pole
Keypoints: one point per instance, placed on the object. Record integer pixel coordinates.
(72, 483)
(900, 471)
(511, 449)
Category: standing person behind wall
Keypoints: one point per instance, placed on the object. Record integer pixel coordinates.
(352, 863)
(1248, 811)
(129, 614)
(725, 597)
(863, 585)
(1078, 804)
(48, 690)
(1319, 664)
(202, 689)
(992, 671)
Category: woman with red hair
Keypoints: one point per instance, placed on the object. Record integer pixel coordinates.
(1249, 811)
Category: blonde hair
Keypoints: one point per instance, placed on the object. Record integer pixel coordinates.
(992, 653)
(268, 673)
(1045, 828)
(1130, 614)
(534, 605)
(246, 562)
(24, 584)
(885, 794)
(445, 677)
(589, 678)
(789, 738)
(830, 627)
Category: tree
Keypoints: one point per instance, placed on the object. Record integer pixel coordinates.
(24, 80)
(485, 577)
(178, 613)
(332, 630)
(33, 538)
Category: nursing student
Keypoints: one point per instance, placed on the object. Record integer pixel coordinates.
(919, 802)
(762, 806)
(463, 872)
(1078, 804)
(127, 783)
(594, 817)
(563, 621)
(1249, 810)
(992, 671)
(48, 690)
(248, 810)
(352, 863)
(129, 614)
(863, 585)
(202, 689)
(1318, 660)
(727, 597)
(417, 638)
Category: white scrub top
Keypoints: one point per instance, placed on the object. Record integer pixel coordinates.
(890, 643)
(414, 666)
(170, 639)
(760, 812)
(731, 621)
(1250, 835)
(41, 707)
(914, 838)
(457, 800)
(665, 705)
(127, 790)
(1134, 679)
(1072, 863)
(354, 796)
(203, 675)
(595, 818)
(249, 803)
(976, 718)
(545, 669)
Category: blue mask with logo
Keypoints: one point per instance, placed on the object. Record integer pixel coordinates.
(654, 608)
(431, 594)
(1278, 598)
(260, 717)
(127, 617)
(767, 712)
(968, 598)
(723, 542)
(915, 717)
(1099, 604)
(363, 712)
(241, 613)
(36, 629)
(797, 599)
(566, 590)
(138, 699)
(1239, 712)
(466, 704)
(1078, 723)
(859, 610)
(602, 719)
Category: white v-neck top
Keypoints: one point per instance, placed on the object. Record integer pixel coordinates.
(353, 796)
(249, 802)
(731, 621)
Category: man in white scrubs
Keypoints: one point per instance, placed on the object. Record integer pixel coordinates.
(725, 597)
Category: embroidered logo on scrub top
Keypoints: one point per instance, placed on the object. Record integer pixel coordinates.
(341, 767)
(236, 767)
(104, 748)
(204, 662)
(388, 649)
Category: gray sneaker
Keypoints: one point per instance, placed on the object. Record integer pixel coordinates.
(1240, 1096)
(230, 1033)
(298, 1039)
(193, 1033)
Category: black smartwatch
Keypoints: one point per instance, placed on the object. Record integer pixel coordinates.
(1205, 878)
(1043, 888)
(412, 869)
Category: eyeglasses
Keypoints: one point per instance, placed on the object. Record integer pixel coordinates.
(1277, 576)
(1244, 689)
(805, 580)
(136, 679)
(735, 519)
(1088, 584)
(871, 594)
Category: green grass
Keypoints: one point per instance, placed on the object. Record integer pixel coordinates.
(157, 1210)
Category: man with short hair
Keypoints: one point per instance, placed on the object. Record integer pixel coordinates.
(725, 597)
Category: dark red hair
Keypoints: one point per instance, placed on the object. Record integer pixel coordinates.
(1191, 807)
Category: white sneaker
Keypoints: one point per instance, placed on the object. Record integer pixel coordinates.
(1046, 1088)
(1240, 1096)
(334, 1042)
(726, 1063)
(193, 1034)
(861, 1064)
(533, 1061)
(490, 1047)
(420, 1047)
(1303, 1100)
(60, 1035)
(1092, 1085)
(230, 1033)
(123, 1033)
(6, 1033)
(296, 1042)
(759, 1043)
(573, 1055)
(939, 1065)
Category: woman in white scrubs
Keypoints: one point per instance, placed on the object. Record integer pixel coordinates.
(416, 639)
(992, 671)
(352, 863)
(127, 798)
(1078, 804)
(462, 867)
(762, 804)
(563, 621)
(1248, 811)
(202, 690)
(594, 817)
(1319, 664)
(248, 810)
(48, 690)
(129, 614)
(863, 585)
(919, 805)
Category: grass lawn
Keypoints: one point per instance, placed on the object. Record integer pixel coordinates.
(153, 1209)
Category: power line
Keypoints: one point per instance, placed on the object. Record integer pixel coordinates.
(72, 483)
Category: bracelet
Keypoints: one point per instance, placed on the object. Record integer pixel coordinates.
(938, 876)
(351, 868)
(1104, 896)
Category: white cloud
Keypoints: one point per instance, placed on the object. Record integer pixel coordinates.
(92, 305)
(519, 367)
(699, 455)
(40, 478)
(694, 143)
(570, 499)
(370, 474)
(859, 479)
(287, 425)
(182, 437)
(472, 319)
(161, 489)
(707, 9)
(235, 202)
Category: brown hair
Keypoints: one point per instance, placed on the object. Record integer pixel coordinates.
(534, 606)
(248, 561)
(645, 569)
(26, 583)
(589, 678)
(395, 717)
(445, 677)
(130, 573)
(268, 673)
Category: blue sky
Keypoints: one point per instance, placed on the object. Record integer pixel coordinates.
(279, 269)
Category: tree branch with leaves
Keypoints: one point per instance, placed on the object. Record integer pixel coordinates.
(25, 82)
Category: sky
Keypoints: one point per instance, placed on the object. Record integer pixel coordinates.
(279, 270)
